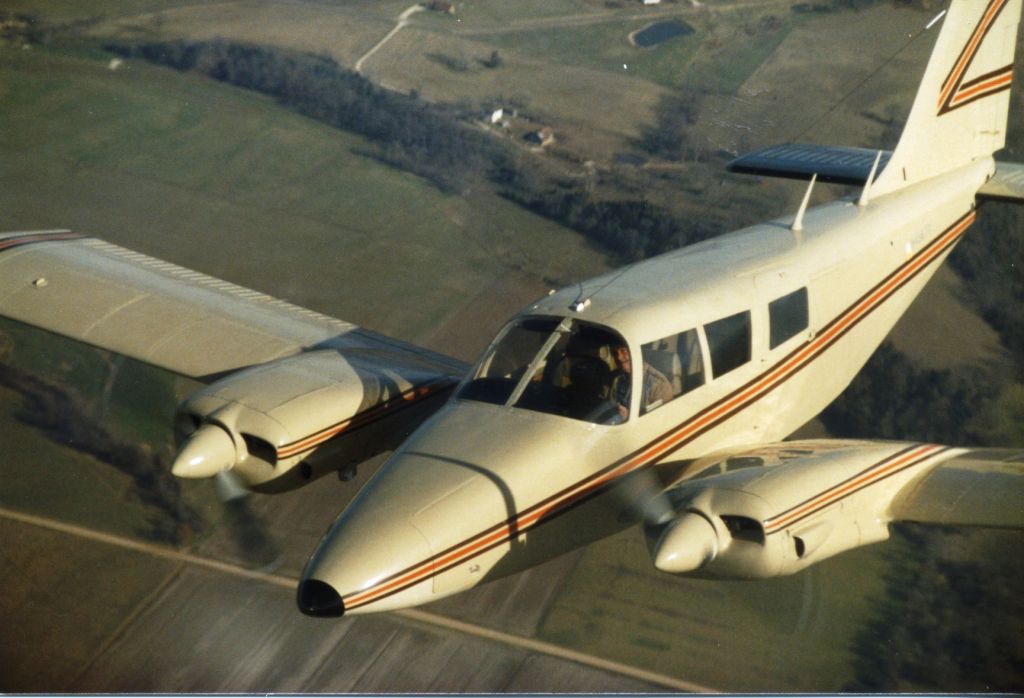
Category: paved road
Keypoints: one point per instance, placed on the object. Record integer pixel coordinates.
(403, 19)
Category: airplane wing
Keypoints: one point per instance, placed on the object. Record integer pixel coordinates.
(778, 508)
(983, 487)
(283, 381)
(162, 314)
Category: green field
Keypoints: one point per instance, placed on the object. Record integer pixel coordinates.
(225, 181)
(788, 634)
(604, 47)
(189, 170)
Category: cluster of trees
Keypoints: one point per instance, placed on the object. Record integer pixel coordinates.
(944, 621)
(430, 139)
(66, 419)
(427, 139)
(893, 398)
(990, 259)
(671, 136)
(632, 230)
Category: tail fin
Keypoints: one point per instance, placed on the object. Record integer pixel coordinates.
(961, 108)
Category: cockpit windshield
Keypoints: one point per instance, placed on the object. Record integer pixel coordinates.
(558, 366)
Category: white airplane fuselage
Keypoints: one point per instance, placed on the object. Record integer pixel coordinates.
(482, 490)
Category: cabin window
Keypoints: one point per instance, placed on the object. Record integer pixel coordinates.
(557, 366)
(729, 342)
(787, 316)
(672, 366)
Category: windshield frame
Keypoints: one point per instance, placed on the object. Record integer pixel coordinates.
(562, 326)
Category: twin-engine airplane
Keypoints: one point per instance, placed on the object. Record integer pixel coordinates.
(658, 393)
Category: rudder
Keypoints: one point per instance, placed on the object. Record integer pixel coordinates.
(960, 112)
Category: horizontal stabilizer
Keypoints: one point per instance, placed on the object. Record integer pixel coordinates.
(1006, 185)
(834, 164)
(983, 487)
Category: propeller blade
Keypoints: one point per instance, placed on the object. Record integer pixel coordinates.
(229, 486)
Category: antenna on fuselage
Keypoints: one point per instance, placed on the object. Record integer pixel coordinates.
(798, 222)
(581, 303)
(864, 198)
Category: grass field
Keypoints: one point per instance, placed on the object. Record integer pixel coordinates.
(202, 174)
(39, 574)
(41, 477)
(224, 181)
(782, 635)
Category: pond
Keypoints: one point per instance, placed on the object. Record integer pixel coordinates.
(659, 32)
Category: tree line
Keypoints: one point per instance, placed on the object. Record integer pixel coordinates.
(424, 138)
(428, 139)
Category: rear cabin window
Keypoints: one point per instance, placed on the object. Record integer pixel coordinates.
(673, 366)
(787, 316)
(729, 342)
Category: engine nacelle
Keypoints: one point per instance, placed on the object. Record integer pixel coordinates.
(785, 508)
(281, 424)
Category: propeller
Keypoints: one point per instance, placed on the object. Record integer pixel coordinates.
(686, 544)
(208, 451)
(229, 487)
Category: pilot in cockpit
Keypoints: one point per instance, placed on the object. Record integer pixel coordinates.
(656, 387)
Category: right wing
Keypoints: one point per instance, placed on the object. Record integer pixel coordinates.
(285, 384)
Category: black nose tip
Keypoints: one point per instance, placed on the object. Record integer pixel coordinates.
(319, 599)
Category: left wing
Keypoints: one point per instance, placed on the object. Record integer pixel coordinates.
(982, 487)
(777, 509)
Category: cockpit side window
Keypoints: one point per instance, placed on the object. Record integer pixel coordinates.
(673, 366)
(557, 366)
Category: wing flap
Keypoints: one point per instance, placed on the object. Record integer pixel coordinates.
(838, 165)
(165, 315)
(983, 487)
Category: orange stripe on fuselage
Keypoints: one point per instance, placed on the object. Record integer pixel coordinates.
(404, 399)
(651, 454)
(31, 238)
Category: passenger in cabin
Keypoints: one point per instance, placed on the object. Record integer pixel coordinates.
(656, 387)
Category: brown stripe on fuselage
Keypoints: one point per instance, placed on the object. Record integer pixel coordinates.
(346, 426)
(656, 450)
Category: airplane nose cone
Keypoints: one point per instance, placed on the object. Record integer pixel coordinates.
(319, 599)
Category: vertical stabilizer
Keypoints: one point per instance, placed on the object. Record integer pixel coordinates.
(960, 112)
